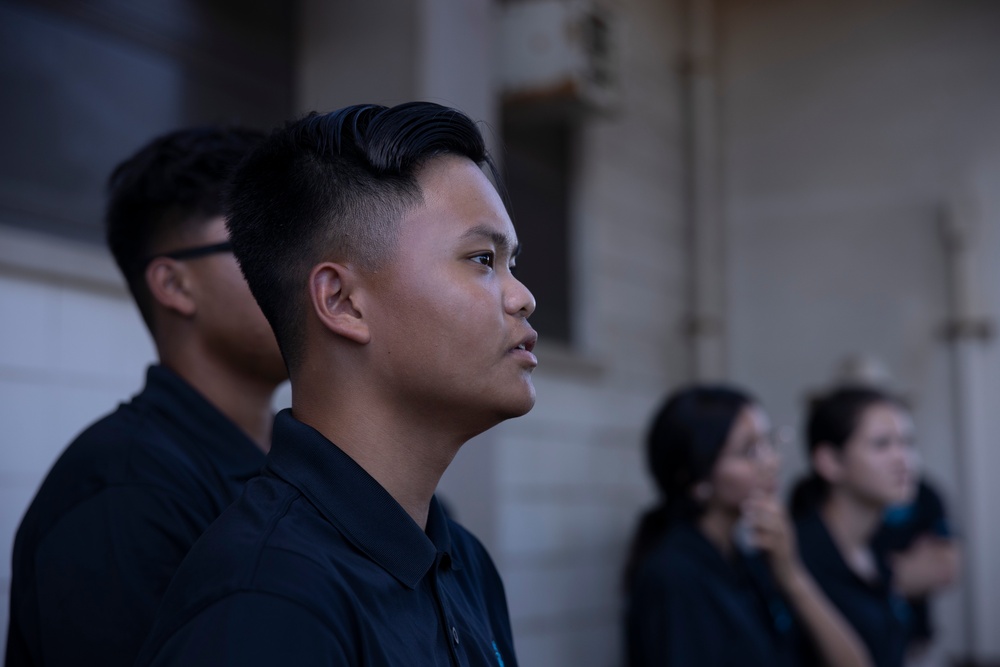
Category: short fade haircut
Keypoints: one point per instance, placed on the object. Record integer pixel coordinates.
(174, 184)
(333, 187)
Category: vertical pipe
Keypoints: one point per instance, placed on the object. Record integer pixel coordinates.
(704, 191)
(961, 333)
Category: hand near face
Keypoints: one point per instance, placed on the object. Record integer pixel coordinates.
(930, 564)
(771, 532)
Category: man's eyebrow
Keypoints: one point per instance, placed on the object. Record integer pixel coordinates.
(502, 241)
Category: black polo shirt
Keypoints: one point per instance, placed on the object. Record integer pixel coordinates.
(877, 614)
(113, 519)
(901, 527)
(316, 564)
(691, 606)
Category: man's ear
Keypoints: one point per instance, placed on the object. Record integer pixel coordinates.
(170, 285)
(331, 288)
(828, 462)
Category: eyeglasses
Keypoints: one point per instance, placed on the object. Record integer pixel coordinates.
(191, 253)
(197, 251)
(771, 442)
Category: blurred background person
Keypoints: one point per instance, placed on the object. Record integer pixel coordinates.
(861, 460)
(915, 538)
(713, 576)
(918, 542)
(125, 501)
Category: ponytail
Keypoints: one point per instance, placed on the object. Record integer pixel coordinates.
(682, 445)
(652, 527)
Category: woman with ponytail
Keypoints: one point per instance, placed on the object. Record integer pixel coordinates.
(861, 458)
(713, 578)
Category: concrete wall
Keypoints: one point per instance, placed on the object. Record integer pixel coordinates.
(850, 128)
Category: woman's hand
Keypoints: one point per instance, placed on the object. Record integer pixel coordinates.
(771, 532)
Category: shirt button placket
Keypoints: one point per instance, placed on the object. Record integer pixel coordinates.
(446, 615)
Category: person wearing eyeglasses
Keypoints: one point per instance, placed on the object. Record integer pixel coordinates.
(125, 501)
(713, 578)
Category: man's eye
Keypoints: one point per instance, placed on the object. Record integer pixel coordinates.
(484, 258)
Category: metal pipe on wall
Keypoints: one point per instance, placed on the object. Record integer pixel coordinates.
(964, 333)
(703, 169)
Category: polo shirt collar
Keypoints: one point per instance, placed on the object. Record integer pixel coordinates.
(356, 504)
(202, 424)
(833, 561)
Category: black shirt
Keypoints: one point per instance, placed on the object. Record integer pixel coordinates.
(871, 607)
(316, 564)
(690, 606)
(901, 527)
(113, 519)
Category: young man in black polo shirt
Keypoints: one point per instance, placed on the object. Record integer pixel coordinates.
(126, 500)
(383, 258)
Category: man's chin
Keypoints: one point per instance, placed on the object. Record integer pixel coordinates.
(519, 407)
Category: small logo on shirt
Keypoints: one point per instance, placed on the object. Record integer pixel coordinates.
(496, 652)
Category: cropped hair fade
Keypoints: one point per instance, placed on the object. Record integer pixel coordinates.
(333, 187)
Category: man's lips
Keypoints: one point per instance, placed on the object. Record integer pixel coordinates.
(527, 343)
(524, 348)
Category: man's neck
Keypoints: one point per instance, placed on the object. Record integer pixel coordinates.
(406, 456)
(243, 399)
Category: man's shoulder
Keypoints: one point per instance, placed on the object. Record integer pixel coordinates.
(116, 512)
(125, 447)
(271, 540)
(128, 453)
(274, 553)
(271, 544)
